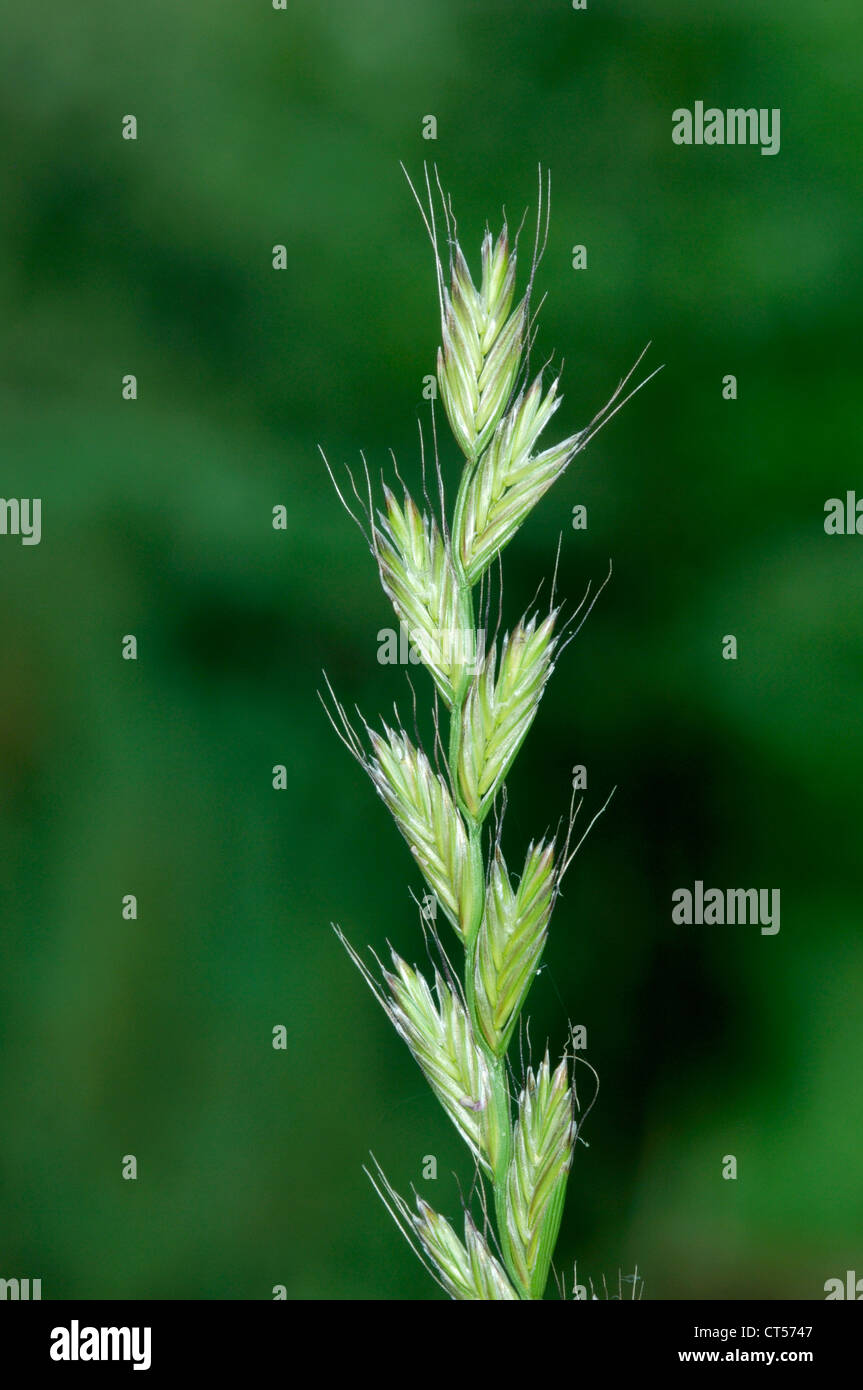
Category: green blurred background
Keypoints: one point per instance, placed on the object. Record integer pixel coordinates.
(154, 1037)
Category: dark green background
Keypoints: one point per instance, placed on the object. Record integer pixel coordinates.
(259, 127)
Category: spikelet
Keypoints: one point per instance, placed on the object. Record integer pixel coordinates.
(468, 1271)
(510, 479)
(417, 575)
(422, 806)
(511, 941)
(480, 353)
(438, 1031)
(500, 708)
(536, 1184)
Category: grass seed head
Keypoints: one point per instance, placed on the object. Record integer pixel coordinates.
(429, 566)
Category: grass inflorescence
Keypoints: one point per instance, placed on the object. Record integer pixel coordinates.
(439, 571)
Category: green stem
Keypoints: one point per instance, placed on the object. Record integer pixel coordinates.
(500, 1108)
